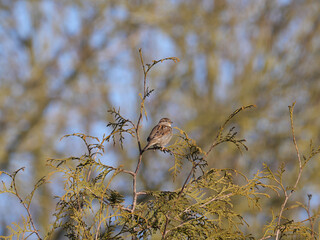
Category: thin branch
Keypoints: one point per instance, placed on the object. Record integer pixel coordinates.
(119, 169)
(29, 235)
(287, 196)
(216, 198)
(144, 72)
(142, 102)
(266, 237)
(138, 125)
(183, 223)
(310, 217)
(164, 233)
(186, 181)
(216, 141)
(210, 201)
(23, 203)
(135, 195)
(90, 170)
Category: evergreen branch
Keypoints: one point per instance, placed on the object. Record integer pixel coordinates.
(119, 127)
(229, 137)
(90, 147)
(26, 207)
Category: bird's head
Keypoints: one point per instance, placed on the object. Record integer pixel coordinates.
(165, 121)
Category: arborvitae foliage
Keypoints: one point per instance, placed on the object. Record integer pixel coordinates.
(202, 208)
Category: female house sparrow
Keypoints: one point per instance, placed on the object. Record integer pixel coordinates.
(160, 135)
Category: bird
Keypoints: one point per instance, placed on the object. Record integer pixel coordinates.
(160, 135)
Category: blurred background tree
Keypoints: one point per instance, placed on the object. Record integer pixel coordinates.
(64, 64)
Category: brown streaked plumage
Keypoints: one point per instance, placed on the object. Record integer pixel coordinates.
(160, 135)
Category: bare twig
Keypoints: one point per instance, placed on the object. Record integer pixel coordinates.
(286, 194)
(135, 195)
(146, 68)
(142, 102)
(310, 217)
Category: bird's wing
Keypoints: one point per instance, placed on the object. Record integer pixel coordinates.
(158, 131)
(154, 133)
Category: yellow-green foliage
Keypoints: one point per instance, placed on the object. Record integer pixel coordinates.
(202, 208)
